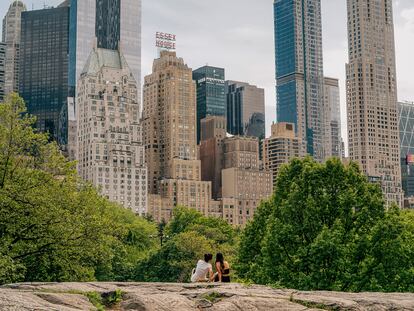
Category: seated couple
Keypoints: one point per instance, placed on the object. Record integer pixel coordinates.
(204, 271)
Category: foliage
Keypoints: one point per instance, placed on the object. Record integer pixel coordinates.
(96, 300)
(326, 228)
(190, 236)
(53, 226)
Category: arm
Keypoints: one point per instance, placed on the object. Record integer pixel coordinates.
(218, 268)
(211, 275)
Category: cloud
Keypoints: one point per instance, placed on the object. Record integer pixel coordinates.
(404, 38)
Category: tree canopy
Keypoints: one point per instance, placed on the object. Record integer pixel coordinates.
(327, 228)
(54, 226)
(188, 237)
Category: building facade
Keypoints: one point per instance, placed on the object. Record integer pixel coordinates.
(333, 141)
(213, 134)
(244, 183)
(43, 78)
(110, 151)
(406, 124)
(211, 98)
(282, 146)
(3, 47)
(11, 37)
(299, 71)
(170, 136)
(241, 152)
(245, 109)
(373, 133)
(243, 191)
(104, 24)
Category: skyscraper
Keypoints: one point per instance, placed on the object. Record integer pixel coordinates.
(372, 94)
(299, 71)
(211, 98)
(245, 109)
(169, 114)
(332, 125)
(406, 124)
(2, 69)
(110, 152)
(44, 68)
(105, 24)
(213, 133)
(11, 36)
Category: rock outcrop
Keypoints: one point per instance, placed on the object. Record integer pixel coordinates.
(188, 297)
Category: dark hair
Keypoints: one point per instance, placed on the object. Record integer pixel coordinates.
(220, 259)
(208, 257)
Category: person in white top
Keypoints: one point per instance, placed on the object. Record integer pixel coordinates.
(204, 270)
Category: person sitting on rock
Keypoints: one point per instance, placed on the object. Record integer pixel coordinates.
(204, 271)
(223, 269)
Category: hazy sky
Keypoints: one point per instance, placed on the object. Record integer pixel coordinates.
(238, 35)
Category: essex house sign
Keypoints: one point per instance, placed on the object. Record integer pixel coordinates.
(165, 41)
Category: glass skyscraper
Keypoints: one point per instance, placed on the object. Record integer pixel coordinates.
(43, 79)
(245, 109)
(406, 124)
(211, 99)
(299, 71)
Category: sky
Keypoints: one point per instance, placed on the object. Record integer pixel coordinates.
(238, 35)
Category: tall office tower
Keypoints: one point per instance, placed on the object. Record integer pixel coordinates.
(333, 141)
(406, 122)
(281, 147)
(211, 98)
(106, 24)
(372, 94)
(110, 152)
(213, 133)
(2, 69)
(244, 183)
(169, 114)
(44, 68)
(11, 36)
(245, 109)
(299, 71)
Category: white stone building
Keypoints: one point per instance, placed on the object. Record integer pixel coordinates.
(109, 151)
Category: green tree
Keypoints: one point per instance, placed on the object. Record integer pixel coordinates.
(326, 228)
(188, 236)
(53, 226)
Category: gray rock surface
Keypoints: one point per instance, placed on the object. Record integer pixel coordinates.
(189, 297)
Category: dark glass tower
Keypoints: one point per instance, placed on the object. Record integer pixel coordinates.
(44, 68)
(299, 71)
(108, 23)
(406, 124)
(211, 98)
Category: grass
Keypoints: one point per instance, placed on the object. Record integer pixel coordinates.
(98, 300)
(312, 305)
(212, 297)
